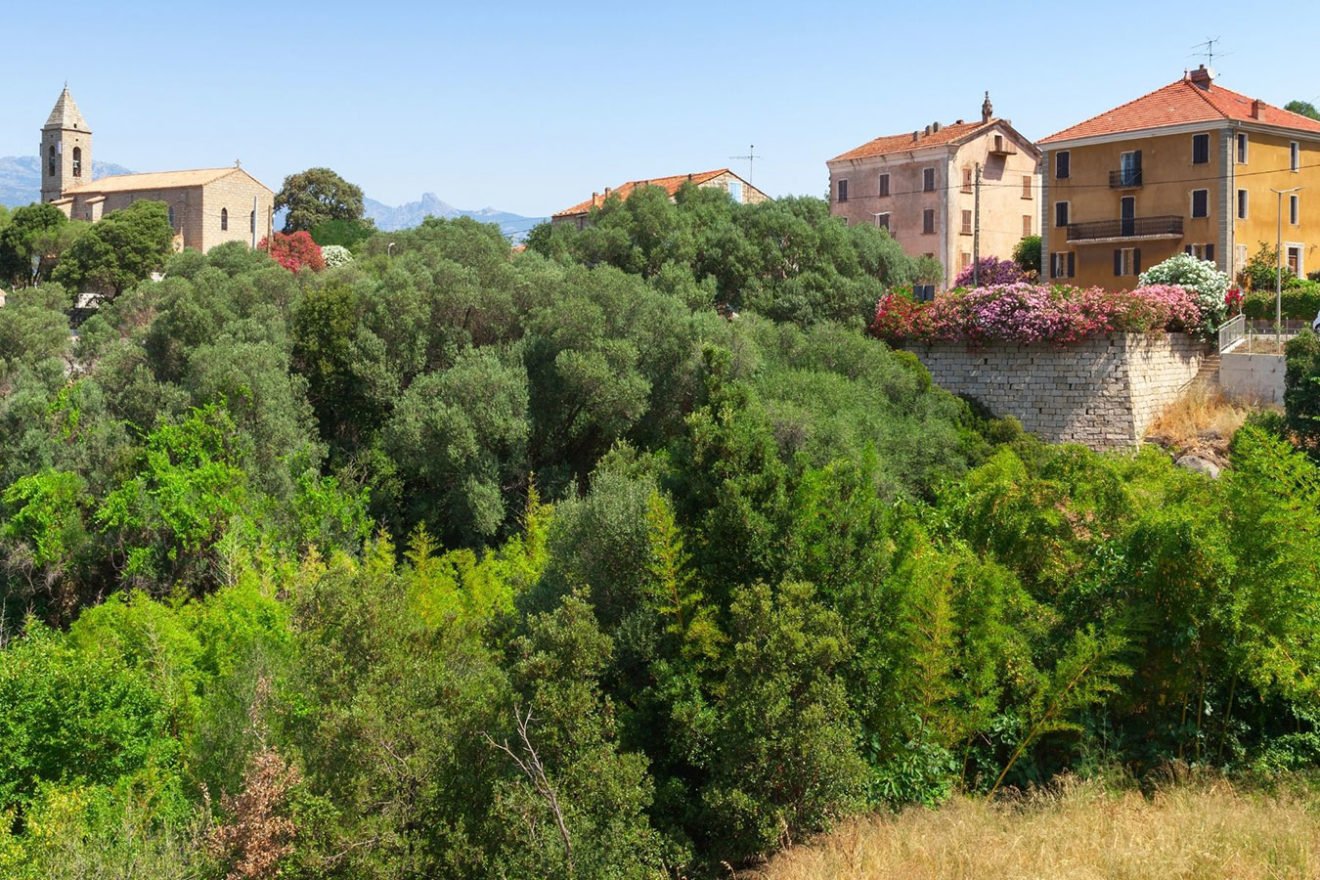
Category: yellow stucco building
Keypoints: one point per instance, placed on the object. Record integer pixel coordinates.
(1192, 167)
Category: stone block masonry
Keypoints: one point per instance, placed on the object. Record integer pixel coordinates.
(1101, 392)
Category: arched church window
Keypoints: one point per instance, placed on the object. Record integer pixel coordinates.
(77, 161)
(224, 219)
(50, 162)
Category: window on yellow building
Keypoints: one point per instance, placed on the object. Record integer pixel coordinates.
(1242, 204)
(1242, 148)
(1060, 213)
(1200, 149)
(1295, 259)
(1063, 264)
(1127, 261)
(1294, 156)
(1200, 203)
(1294, 209)
(1062, 164)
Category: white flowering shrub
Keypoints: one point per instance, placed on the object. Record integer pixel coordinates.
(336, 255)
(1199, 276)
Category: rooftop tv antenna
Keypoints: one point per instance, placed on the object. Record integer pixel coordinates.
(750, 158)
(1209, 53)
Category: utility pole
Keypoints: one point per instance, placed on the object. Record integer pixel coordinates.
(750, 158)
(976, 229)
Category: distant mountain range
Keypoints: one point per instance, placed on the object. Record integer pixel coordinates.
(20, 184)
(20, 178)
(388, 219)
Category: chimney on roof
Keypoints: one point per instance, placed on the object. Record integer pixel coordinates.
(927, 131)
(958, 122)
(607, 192)
(987, 109)
(935, 126)
(1201, 77)
(915, 136)
(1255, 108)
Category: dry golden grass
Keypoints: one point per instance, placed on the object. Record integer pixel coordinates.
(1080, 831)
(1200, 421)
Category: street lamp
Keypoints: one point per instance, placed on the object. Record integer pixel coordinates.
(1278, 273)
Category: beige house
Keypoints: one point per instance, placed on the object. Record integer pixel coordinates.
(722, 178)
(924, 187)
(206, 207)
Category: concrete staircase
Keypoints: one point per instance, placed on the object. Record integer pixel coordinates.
(1206, 380)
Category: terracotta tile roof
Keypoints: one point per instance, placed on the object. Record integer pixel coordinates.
(902, 143)
(669, 184)
(154, 180)
(1183, 102)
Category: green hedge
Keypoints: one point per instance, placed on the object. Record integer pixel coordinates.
(1301, 301)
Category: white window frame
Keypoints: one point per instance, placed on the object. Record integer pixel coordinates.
(1294, 156)
(1059, 264)
(1128, 264)
(1191, 204)
(1057, 157)
(1288, 248)
(885, 225)
(1243, 204)
(1067, 213)
(1243, 148)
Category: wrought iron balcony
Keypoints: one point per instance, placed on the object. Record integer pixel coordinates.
(1126, 178)
(1132, 227)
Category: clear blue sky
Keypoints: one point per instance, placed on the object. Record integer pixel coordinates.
(530, 107)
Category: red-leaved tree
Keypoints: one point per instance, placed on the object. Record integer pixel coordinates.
(295, 251)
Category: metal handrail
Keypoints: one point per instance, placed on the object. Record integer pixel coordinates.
(1129, 227)
(1231, 332)
(1125, 178)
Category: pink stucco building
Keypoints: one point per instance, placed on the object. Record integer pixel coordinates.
(922, 186)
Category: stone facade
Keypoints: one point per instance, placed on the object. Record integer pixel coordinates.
(206, 207)
(1102, 393)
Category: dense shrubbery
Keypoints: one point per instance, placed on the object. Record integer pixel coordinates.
(990, 272)
(1201, 278)
(469, 564)
(1026, 313)
(1301, 302)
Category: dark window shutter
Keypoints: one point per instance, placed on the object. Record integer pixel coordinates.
(1118, 263)
(1210, 252)
(1072, 264)
(1188, 250)
(1136, 160)
(1136, 261)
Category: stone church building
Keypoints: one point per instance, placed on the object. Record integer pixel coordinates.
(206, 207)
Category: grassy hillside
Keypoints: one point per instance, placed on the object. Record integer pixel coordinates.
(1077, 830)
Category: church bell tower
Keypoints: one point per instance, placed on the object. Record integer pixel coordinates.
(66, 149)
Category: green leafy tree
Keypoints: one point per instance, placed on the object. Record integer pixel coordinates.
(1301, 396)
(33, 231)
(1026, 253)
(122, 249)
(1305, 108)
(317, 196)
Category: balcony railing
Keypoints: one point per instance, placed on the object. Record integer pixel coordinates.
(1132, 227)
(1126, 178)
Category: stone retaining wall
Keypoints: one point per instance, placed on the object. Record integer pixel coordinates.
(1102, 392)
